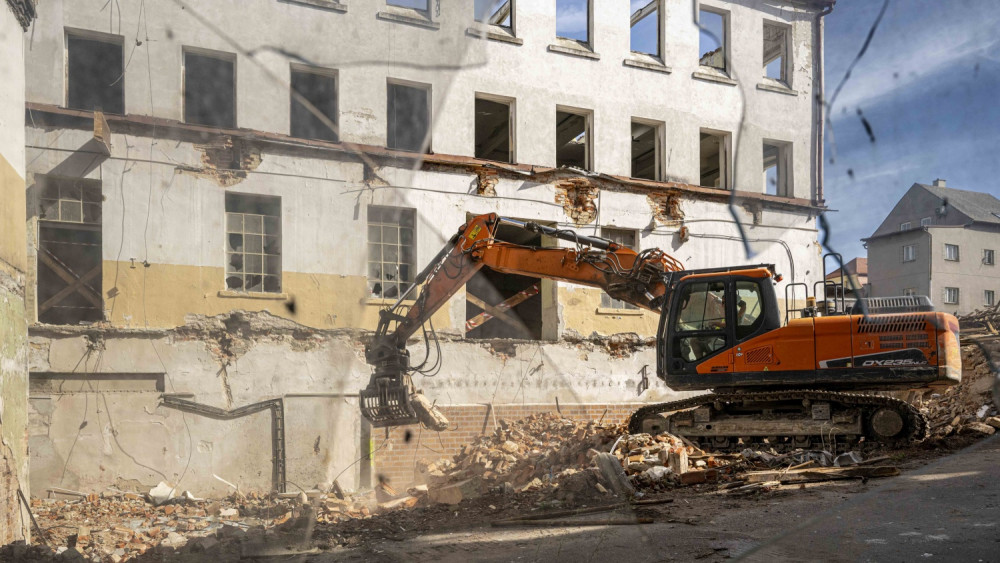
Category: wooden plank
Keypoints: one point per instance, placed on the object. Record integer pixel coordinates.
(821, 474)
(491, 310)
(73, 281)
(73, 288)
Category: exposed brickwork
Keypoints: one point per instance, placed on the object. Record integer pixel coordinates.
(396, 458)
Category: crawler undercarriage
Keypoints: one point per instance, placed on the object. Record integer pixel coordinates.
(784, 419)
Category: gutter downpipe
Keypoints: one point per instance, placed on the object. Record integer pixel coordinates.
(821, 95)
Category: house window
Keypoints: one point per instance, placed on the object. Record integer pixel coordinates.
(910, 291)
(573, 20)
(646, 149)
(777, 168)
(391, 250)
(712, 39)
(645, 27)
(409, 117)
(904, 226)
(989, 257)
(989, 298)
(951, 252)
(494, 129)
(253, 243)
(626, 238)
(573, 138)
(95, 76)
(495, 12)
(714, 159)
(926, 222)
(210, 88)
(909, 253)
(318, 89)
(70, 254)
(776, 52)
(951, 295)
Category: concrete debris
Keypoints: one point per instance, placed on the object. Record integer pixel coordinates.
(162, 493)
(958, 406)
(428, 414)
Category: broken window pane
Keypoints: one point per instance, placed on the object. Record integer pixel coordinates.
(775, 51)
(714, 160)
(390, 252)
(573, 20)
(572, 140)
(69, 200)
(712, 39)
(645, 151)
(251, 252)
(209, 90)
(94, 75)
(408, 117)
(626, 238)
(493, 131)
(320, 90)
(645, 22)
(494, 12)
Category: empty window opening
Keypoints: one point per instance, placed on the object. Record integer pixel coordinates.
(645, 150)
(645, 24)
(495, 12)
(69, 251)
(494, 140)
(514, 302)
(573, 20)
(409, 112)
(572, 139)
(951, 252)
(989, 298)
(714, 159)
(95, 79)
(319, 89)
(253, 243)
(775, 52)
(626, 238)
(777, 169)
(909, 253)
(989, 257)
(419, 5)
(210, 89)
(951, 295)
(712, 39)
(391, 250)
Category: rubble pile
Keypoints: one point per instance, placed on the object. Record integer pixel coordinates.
(966, 408)
(981, 321)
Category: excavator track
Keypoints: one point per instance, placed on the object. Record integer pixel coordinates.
(785, 419)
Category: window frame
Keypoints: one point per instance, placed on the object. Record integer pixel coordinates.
(509, 30)
(209, 53)
(725, 162)
(926, 221)
(785, 164)
(726, 38)
(947, 295)
(659, 141)
(787, 67)
(958, 256)
(989, 257)
(589, 43)
(511, 104)
(660, 32)
(588, 125)
(91, 35)
(298, 68)
(268, 200)
(913, 253)
(905, 226)
(381, 261)
(909, 291)
(427, 141)
(989, 297)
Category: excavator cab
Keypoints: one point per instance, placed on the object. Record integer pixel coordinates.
(709, 312)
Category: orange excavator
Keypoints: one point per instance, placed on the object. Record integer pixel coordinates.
(811, 380)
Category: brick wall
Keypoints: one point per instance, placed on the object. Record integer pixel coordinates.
(396, 458)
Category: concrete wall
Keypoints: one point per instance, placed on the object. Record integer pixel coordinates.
(14, 523)
(888, 275)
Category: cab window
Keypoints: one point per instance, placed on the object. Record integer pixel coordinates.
(749, 308)
(702, 307)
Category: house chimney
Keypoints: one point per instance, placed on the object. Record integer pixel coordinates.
(940, 183)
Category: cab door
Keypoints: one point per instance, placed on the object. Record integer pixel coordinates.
(699, 328)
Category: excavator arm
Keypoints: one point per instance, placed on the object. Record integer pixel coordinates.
(640, 278)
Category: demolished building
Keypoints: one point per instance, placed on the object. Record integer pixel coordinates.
(221, 198)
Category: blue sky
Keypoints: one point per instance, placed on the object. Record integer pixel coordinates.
(929, 86)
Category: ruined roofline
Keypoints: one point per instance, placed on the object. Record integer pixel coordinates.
(51, 116)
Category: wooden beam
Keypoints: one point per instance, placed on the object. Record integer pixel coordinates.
(70, 277)
(497, 313)
(72, 288)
